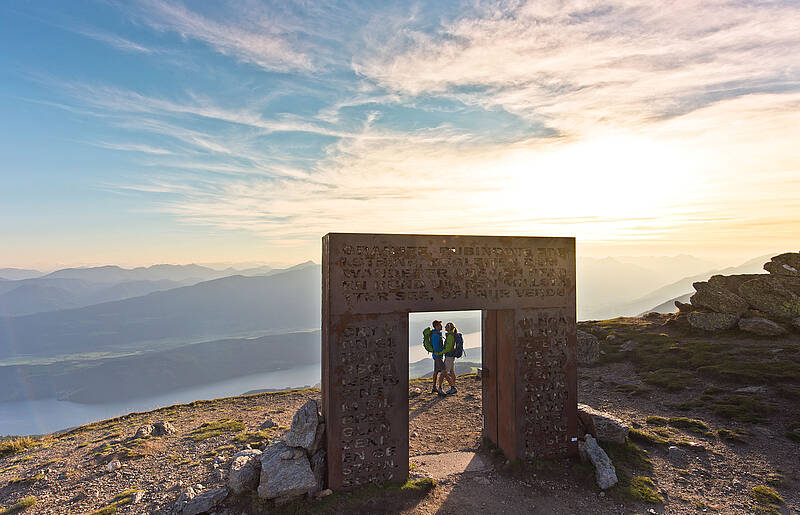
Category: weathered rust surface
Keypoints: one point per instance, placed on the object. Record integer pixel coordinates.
(366, 400)
(546, 382)
(506, 385)
(370, 284)
(378, 273)
(489, 373)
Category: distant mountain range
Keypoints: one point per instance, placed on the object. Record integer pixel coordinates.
(78, 287)
(226, 307)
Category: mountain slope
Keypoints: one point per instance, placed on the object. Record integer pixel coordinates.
(220, 308)
(684, 286)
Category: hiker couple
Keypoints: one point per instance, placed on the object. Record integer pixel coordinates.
(445, 351)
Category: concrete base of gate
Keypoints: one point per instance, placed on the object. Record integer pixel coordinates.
(439, 466)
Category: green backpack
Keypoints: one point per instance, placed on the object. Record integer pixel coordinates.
(426, 339)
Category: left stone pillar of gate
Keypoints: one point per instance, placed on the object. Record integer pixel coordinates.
(365, 391)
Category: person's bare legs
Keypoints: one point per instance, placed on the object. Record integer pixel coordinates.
(435, 375)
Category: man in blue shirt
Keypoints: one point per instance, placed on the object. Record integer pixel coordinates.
(438, 346)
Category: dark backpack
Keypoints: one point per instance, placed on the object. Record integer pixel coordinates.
(459, 349)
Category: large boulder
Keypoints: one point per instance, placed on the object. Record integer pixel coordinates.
(770, 295)
(205, 502)
(608, 427)
(285, 473)
(784, 264)
(761, 326)
(245, 471)
(732, 282)
(712, 321)
(588, 348)
(604, 472)
(717, 299)
(305, 422)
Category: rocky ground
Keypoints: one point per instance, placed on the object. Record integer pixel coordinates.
(712, 419)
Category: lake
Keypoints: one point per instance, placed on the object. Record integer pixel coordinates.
(48, 415)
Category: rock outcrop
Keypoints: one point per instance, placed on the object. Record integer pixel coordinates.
(717, 299)
(761, 326)
(608, 427)
(784, 264)
(710, 321)
(763, 304)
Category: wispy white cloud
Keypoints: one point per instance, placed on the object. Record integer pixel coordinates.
(132, 147)
(581, 64)
(114, 40)
(258, 40)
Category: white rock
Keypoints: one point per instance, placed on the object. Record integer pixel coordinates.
(604, 472)
(284, 478)
(245, 471)
(304, 426)
(113, 465)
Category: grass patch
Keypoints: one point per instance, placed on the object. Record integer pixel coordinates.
(633, 389)
(17, 445)
(766, 496)
(689, 424)
(628, 455)
(21, 505)
(774, 479)
(743, 408)
(212, 429)
(670, 379)
(26, 480)
(12, 467)
(654, 420)
(255, 437)
(122, 498)
(646, 437)
(643, 489)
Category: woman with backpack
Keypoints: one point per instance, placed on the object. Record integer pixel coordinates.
(452, 341)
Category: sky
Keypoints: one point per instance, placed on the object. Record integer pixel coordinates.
(156, 131)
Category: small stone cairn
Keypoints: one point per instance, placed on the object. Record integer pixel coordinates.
(762, 304)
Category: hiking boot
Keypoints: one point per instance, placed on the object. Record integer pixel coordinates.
(451, 390)
(434, 390)
(441, 393)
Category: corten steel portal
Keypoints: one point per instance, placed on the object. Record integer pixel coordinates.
(525, 288)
